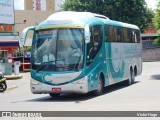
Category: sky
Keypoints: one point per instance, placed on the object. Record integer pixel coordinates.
(152, 3)
(19, 4)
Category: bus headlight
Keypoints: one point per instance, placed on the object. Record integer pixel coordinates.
(82, 80)
(35, 82)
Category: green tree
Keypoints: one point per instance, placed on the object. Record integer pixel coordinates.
(28, 48)
(129, 11)
(156, 22)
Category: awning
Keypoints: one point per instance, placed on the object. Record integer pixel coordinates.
(150, 35)
(6, 43)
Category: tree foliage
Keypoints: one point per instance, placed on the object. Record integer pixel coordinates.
(28, 48)
(156, 22)
(129, 11)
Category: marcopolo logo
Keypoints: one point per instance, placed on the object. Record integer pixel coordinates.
(21, 114)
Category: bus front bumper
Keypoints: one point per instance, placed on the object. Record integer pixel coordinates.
(79, 86)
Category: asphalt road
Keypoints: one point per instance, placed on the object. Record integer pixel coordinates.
(141, 96)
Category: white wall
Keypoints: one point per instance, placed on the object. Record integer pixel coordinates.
(43, 5)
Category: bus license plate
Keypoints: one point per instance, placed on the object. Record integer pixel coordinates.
(56, 89)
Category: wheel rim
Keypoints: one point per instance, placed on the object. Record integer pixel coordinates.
(130, 82)
(100, 86)
(3, 87)
(132, 77)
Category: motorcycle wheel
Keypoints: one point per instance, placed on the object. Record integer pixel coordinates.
(3, 86)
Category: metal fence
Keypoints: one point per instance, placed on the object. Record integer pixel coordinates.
(149, 44)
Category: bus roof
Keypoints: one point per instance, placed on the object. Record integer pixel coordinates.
(81, 19)
(71, 15)
(121, 24)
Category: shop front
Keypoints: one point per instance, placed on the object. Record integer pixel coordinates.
(5, 65)
(9, 43)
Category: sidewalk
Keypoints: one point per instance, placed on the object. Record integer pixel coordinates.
(9, 77)
(15, 81)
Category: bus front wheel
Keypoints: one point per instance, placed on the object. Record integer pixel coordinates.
(100, 88)
(54, 94)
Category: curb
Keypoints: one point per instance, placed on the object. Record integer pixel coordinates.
(9, 77)
(26, 70)
(13, 87)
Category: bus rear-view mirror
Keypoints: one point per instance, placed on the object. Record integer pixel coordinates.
(24, 35)
(87, 34)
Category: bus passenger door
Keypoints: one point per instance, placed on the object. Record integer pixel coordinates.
(95, 43)
(94, 54)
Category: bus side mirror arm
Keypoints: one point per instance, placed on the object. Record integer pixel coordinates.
(24, 34)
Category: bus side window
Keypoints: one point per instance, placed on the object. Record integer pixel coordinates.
(96, 41)
(107, 35)
(138, 36)
(126, 35)
(135, 36)
(118, 34)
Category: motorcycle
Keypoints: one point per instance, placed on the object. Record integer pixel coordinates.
(3, 84)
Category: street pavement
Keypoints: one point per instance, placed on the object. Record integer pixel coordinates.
(15, 83)
(141, 96)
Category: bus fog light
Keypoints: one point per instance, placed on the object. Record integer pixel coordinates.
(35, 82)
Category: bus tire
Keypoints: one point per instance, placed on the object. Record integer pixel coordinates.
(100, 88)
(130, 81)
(54, 94)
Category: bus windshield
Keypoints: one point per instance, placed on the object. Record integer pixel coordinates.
(58, 49)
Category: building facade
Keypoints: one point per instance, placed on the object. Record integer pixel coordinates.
(8, 38)
(30, 17)
(10, 34)
(42, 5)
(35, 12)
(151, 51)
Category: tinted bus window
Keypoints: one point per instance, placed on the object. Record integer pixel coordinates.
(95, 44)
(121, 34)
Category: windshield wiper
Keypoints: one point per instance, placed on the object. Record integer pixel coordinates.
(44, 65)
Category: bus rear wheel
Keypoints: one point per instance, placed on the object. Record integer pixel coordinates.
(100, 88)
(132, 78)
(54, 94)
